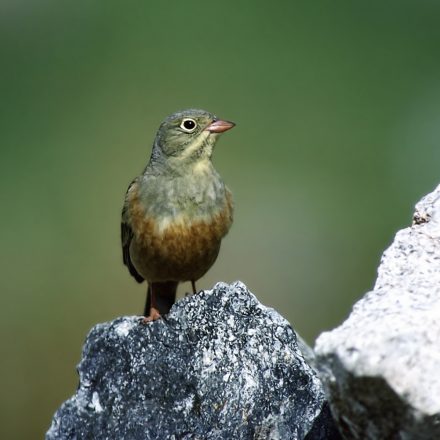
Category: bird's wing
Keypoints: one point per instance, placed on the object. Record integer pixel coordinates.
(126, 237)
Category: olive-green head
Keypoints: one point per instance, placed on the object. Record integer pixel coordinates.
(188, 136)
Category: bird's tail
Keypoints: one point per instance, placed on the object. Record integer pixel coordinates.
(161, 296)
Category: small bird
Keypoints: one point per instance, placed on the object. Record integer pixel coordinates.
(177, 211)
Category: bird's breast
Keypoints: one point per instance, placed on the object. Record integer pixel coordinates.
(180, 243)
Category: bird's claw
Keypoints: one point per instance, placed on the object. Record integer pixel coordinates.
(153, 316)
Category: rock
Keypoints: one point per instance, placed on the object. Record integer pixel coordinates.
(221, 366)
(381, 367)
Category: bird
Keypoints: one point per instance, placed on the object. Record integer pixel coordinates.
(177, 211)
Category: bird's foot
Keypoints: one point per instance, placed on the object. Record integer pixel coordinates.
(153, 316)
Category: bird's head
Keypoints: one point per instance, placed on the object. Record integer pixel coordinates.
(188, 137)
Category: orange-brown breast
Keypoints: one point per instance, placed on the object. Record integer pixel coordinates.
(184, 249)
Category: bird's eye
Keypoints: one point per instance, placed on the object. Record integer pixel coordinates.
(188, 125)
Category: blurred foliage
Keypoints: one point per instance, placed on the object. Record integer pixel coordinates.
(337, 109)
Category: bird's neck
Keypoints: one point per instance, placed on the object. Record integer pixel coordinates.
(179, 168)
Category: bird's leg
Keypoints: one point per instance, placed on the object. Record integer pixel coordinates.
(160, 298)
(151, 313)
(194, 290)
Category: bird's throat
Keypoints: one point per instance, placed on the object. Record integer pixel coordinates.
(200, 148)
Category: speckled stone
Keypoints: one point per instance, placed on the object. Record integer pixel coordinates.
(381, 367)
(221, 366)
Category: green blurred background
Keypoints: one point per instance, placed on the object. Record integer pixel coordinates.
(337, 107)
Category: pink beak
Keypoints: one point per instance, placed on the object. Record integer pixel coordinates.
(219, 126)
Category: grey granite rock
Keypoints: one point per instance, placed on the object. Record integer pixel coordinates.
(381, 367)
(221, 366)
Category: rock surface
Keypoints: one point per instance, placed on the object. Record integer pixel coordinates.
(221, 366)
(381, 367)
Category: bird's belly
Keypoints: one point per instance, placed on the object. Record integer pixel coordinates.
(183, 250)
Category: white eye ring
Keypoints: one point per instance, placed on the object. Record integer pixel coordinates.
(188, 125)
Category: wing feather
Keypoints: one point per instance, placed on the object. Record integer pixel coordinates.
(126, 237)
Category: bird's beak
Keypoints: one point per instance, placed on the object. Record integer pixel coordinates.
(219, 126)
